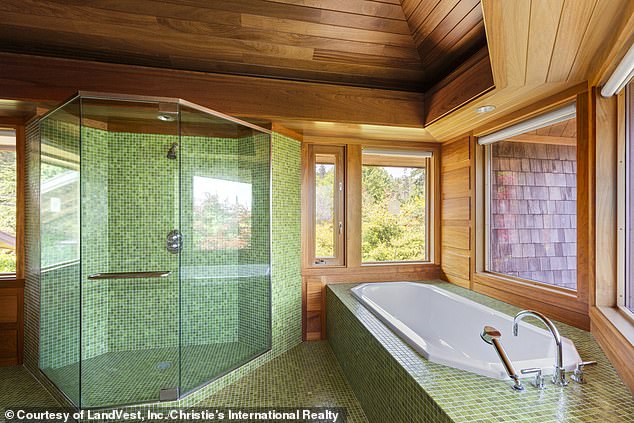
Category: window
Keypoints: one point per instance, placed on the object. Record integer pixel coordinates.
(7, 202)
(328, 205)
(394, 212)
(221, 213)
(531, 209)
(626, 296)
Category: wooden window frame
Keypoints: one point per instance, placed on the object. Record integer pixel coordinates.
(391, 161)
(338, 260)
(625, 137)
(488, 157)
(612, 326)
(19, 201)
(562, 304)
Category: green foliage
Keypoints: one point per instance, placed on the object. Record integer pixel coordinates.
(7, 261)
(220, 225)
(324, 210)
(393, 214)
(7, 191)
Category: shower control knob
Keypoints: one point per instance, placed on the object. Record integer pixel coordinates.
(174, 241)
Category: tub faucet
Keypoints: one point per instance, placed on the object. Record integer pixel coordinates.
(492, 336)
(559, 376)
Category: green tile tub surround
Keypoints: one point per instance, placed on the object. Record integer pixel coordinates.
(285, 275)
(395, 383)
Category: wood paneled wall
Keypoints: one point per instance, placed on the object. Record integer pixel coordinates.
(11, 321)
(456, 204)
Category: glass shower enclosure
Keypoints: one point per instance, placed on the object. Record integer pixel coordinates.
(154, 247)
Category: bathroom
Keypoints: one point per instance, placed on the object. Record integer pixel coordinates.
(280, 210)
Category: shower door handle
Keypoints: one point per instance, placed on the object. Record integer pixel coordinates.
(130, 275)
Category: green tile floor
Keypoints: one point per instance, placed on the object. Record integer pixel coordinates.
(305, 376)
(125, 377)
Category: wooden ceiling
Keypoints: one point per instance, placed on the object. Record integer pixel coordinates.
(371, 43)
(540, 49)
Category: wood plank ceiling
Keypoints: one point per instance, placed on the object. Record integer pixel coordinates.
(539, 48)
(370, 43)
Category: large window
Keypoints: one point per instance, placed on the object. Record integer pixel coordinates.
(626, 296)
(394, 212)
(531, 205)
(7, 202)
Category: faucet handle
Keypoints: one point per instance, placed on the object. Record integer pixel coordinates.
(577, 375)
(538, 382)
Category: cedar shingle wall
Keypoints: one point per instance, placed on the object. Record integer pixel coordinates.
(533, 221)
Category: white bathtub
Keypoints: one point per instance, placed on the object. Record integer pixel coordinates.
(445, 328)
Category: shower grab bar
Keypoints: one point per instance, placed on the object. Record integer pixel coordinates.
(130, 275)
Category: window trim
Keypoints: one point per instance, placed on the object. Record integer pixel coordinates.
(402, 161)
(625, 100)
(488, 157)
(19, 201)
(338, 260)
(563, 304)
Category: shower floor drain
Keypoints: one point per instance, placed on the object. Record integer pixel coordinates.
(164, 365)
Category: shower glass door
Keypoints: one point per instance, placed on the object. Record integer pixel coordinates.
(225, 215)
(130, 248)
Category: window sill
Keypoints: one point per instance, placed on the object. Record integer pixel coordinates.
(570, 293)
(562, 304)
(394, 263)
(11, 282)
(620, 320)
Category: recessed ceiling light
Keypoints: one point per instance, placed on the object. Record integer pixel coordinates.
(165, 117)
(485, 109)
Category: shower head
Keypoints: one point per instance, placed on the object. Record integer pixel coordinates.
(171, 153)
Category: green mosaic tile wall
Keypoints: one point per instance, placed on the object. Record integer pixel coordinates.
(101, 297)
(395, 383)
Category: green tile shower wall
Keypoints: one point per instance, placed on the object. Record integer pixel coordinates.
(286, 281)
(100, 297)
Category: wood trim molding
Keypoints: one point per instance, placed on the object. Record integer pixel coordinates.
(551, 102)
(618, 349)
(469, 81)
(21, 78)
(562, 306)
(20, 142)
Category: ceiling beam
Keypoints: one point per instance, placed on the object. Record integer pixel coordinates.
(43, 79)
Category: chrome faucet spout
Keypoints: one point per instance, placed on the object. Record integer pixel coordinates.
(559, 375)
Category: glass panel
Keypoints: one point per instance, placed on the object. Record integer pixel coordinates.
(225, 263)
(59, 238)
(325, 218)
(7, 201)
(130, 198)
(533, 210)
(394, 221)
(629, 213)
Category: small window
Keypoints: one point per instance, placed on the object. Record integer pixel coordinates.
(7, 202)
(626, 297)
(532, 204)
(328, 205)
(394, 206)
(221, 214)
